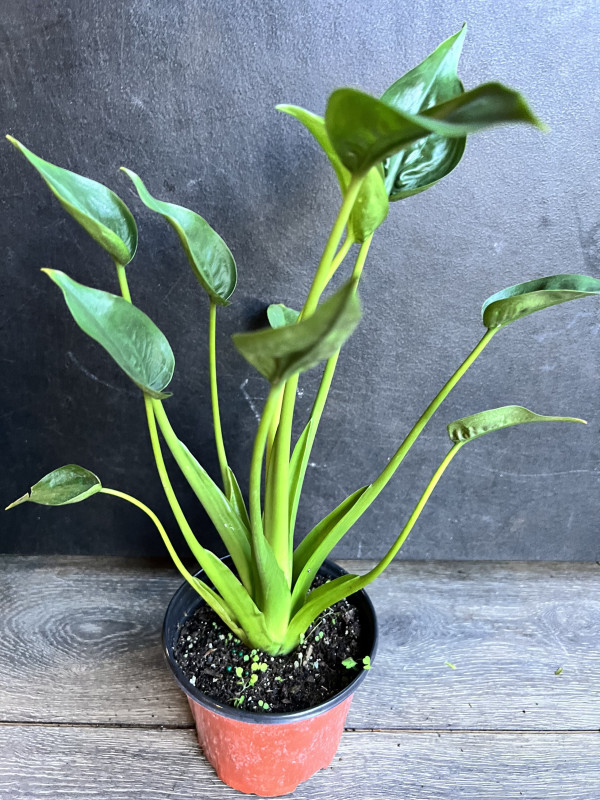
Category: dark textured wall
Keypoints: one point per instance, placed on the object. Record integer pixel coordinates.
(183, 93)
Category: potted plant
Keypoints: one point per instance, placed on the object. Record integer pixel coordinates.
(273, 605)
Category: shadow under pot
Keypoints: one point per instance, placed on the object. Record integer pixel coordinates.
(267, 753)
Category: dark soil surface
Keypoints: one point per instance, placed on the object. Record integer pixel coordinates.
(219, 665)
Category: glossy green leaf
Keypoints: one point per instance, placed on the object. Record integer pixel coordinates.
(209, 256)
(103, 215)
(468, 428)
(523, 299)
(125, 332)
(278, 353)
(364, 131)
(69, 484)
(428, 160)
(372, 205)
(279, 315)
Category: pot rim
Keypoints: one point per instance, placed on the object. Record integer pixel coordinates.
(260, 717)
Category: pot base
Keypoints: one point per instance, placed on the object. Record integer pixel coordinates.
(289, 753)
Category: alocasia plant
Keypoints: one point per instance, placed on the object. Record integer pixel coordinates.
(382, 150)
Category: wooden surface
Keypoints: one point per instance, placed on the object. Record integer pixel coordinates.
(89, 710)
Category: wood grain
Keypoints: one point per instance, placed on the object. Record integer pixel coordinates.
(81, 643)
(118, 764)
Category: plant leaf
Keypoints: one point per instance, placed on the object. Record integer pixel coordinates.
(278, 353)
(125, 332)
(101, 212)
(209, 256)
(279, 315)
(468, 428)
(372, 205)
(365, 131)
(69, 484)
(235, 497)
(298, 464)
(431, 158)
(316, 546)
(523, 299)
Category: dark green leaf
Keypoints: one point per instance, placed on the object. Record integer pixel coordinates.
(431, 158)
(279, 315)
(523, 299)
(364, 131)
(209, 256)
(103, 215)
(69, 484)
(131, 338)
(278, 353)
(371, 206)
(467, 428)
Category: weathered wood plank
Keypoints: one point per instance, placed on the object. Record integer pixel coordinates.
(125, 764)
(79, 641)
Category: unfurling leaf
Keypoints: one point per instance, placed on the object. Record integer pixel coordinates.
(69, 484)
(209, 256)
(125, 332)
(523, 299)
(364, 130)
(428, 160)
(278, 353)
(279, 315)
(468, 428)
(103, 215)
(371, 206)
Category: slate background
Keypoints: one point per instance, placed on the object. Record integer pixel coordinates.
(184, 94)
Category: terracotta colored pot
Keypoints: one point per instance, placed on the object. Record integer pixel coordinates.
(267, 754)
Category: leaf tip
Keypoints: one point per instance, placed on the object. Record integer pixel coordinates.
(18, 502)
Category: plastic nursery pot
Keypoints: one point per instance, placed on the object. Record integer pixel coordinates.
(267, 754)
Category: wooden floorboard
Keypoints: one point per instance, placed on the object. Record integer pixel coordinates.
(80, 642)
(116, 764)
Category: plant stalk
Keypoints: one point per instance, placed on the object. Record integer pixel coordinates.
(214, 392)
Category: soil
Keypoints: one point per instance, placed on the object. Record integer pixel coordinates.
(219, 665)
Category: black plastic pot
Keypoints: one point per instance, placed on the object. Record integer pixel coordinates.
(267, 754)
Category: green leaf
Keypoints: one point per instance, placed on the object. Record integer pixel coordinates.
(235, 497)
(316, 546)
(523, 299)
(468, 428)
(431, 158)
(128, 335)
(209, 256)
(279, 315)
(103, 215)
(69, 484)
(371, 205)
(364, 131)
(297, 470)
(279, 353)
(230, 527)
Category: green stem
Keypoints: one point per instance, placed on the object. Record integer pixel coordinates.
(177, 561)
(124, 286)
(320, 280)
(258, 452)
(327, 595)
(308, 557)
(184, 525)
(319, 283)
(208, 594)
(339, 257)
(322, 395)
(214, 393)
